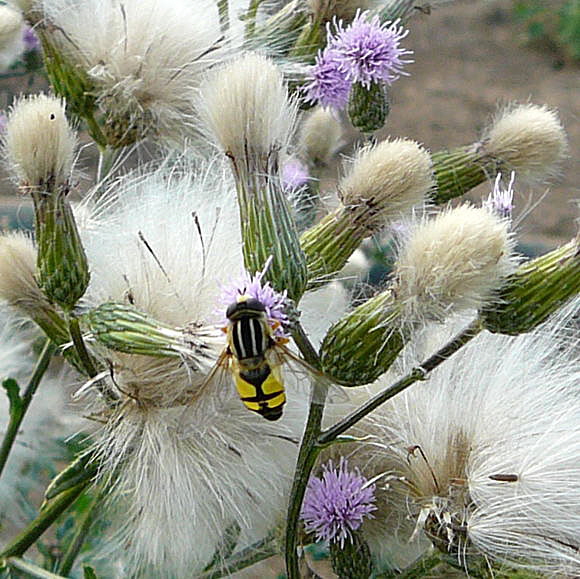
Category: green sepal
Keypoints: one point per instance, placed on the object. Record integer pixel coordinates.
(62, 266)
(82, 469)
(534, 291)
(368, 107)
(363, 345)
(353, 559)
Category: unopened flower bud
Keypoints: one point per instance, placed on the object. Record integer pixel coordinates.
(368, 106)
(385, 181)
(363, 345)
(456, 261)
(123, 328)
(247, 107)
(353, 559)
(535, 291)
(39, 142)
(528, 139)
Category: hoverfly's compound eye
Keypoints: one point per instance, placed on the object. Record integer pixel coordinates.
(245, 307)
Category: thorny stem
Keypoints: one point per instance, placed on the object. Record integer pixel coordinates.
(27, 569)
(18, 409)
(418, 373)
(306, 455)
(255, 553)
(47, 516)
(84, 525)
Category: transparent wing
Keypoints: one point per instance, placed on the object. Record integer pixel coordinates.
(209, 396)
(325, 390)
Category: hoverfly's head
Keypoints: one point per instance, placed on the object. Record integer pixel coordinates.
(246, 307)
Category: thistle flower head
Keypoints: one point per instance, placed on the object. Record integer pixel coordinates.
(370, 51)
(483, 459)
(337, 504)
(455, 261)
(253, 286)
(320, 135)
(31, 42)
(39, 141)
(327, 85)
(294, 175)
(385, 181)
(133, 59)
(363, 52)
(528, 138)
(500, 201)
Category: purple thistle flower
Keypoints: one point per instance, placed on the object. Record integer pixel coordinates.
(336, 504)
(500, 201)
(369, 51)
(328, 85)
(252, 286)
(294, 175)
(31, 41)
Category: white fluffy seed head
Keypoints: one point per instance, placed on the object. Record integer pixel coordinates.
(528, 138)
(39, 142)
(186, 467)
(386, 180)
(246, 107)
(11, 41)
(454, 261)
(490, 443)
(143, 58)
(320, 136)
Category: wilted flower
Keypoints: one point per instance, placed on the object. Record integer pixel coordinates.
(337, 504)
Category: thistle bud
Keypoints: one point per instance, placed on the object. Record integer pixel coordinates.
(39, 143)
(528, 139)
(19, 288)
(363, 345)
(353, 560)
(385, 181)
(535, 291)
(251, 116)
(123, 328)
(63, 271)
(368, 106)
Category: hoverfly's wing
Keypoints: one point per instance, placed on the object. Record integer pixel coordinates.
(209, 396)
(327, 389)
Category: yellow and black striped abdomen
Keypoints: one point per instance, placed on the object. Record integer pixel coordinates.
(261, 390)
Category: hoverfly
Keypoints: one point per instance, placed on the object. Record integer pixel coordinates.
(254, 357)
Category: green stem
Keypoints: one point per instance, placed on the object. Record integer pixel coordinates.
(18, 411)
(80, 347)
(307, 454)
(73, 548)
(29, 569)
(418, 373)
(47, 516)
(255, 553)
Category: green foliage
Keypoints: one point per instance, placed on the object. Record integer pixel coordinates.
(556, 24)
